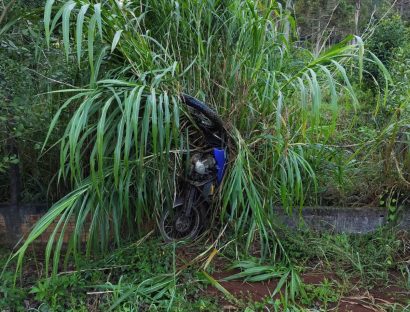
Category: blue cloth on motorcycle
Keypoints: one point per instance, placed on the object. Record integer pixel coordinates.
(220, 159)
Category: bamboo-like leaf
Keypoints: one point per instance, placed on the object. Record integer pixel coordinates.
(127, 132)
(336, 49)
(279, 119)
(97, 65)
(56, 18)
(8, 25)
(50, 242)
(79, 30)
(66, 24)
(100, 136)
(118, 150)
(167, 121)
(255, 272)
(116, 40)
(154, 122)
(135, 116)
(47, 18)
(58, 113)
(218, 286)
(381, 66)
(280, 284)
(347, 82)
(91, 34)
(97, 14)
(332, 87)
(128, 102)
(147, 288)
(316, 94)
(58, 209)
(360, 56)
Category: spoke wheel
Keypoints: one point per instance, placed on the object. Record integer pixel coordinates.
(176, 226)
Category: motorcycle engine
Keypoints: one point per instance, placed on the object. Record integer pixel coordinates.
(203, 164)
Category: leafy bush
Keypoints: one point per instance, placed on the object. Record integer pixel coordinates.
(27, 73)
(59, 294)
(120, 145)
(11, 297)
(398, 107)
(389, 35)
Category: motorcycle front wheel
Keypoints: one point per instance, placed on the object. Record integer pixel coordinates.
(176, 226)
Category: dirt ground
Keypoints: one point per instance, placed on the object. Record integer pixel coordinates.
(358, 300)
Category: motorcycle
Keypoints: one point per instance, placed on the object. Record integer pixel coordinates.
(188, 216)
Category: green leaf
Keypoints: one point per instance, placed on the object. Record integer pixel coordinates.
(280, 284)
(100, 136)
(66, 26)
(56, 18)
(97, 10)
(347, 82)
(218, 286)
(79, 30)
(98, 64)
(47, 18)
(115, 40)
(91, 34)
(360, 56)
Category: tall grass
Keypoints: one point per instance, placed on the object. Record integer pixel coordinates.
(122, 147)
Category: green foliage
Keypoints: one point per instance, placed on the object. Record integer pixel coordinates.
(11, 297)
(324, 293)
(301, 130)
(133, 278)
(399, 97)
(288, 278)
(150, 276)
(369, 257)
(399, 107)
(393, 137)
(7, 161)
(27, 71)
(60, 293)
(369, 154)
(389, 35)
(122, 144)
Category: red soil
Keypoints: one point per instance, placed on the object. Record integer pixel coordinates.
(357, 301)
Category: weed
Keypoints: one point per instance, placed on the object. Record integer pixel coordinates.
(146, 277)
(11, 297)
(321, 295)
(60, 293)
(370, 257)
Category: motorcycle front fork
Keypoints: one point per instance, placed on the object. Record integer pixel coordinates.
(198, 195)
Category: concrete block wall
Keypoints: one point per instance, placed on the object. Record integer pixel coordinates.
(17, 222)
(358, 220)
